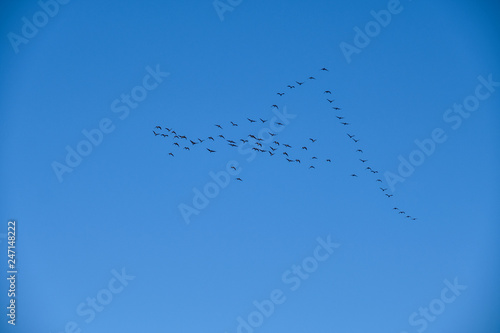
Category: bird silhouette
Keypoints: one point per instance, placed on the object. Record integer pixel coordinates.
(328, 160)
(171, 154)
(305, 148)
(263, 121)
(272, 134)
(330, 100)
(297, 160)
(175, 143)
(364, 161)
(280, 124)
(345, 124)
(350, 136)
(312, 167)
(281, 94)
(383, 189)
(327, 92)
(313, 140)
(354, 175)
(234, 124)
(222, 136)
(324, 69)
(359, 150)
(288, 146)
(219, 126)
(274, 106)
(389, 195)
(340, 118)
(239, 179)
(291, 87)
(299, 83)
(187, 148)
(193, 143)
(159, 127)
(210, 138)
(156, 133)
(251, 120)
(336, 108)
(211, 151)
(285, 153)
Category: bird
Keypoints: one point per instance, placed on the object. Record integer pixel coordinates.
(252, 136)
(324, 69)
(187, 148)
(201, 141)
(311, 78)
(383, 189)
(159, 127)
(336, 108)
(263, 121)
(374, 171)
(328, 160)
(299, 83)
(234, 124)
(156, 133)
(285, 153)
(222, 136)
(239, 179)
(171, 154)
(182, 137)
(402, 212)
(354, 175)
(355, 140)
(251, 120)
(211, 151)
(389, 195)
(233, 167)
(175, 143)
(314, 158)
(414, 218)
(230, 141)
(340, 118)
(273, 149)
(258, 144)
(168, 129)
(396, 208)
(173, 132)
(363, 160)
(164, 135)
(312, 167)
(313, 140)
(379, 180)
(330, 100)
(271, 153)
(219, 126)
(368, 168)
(193, 143)
(210, 138)
(305, 148)
(345, 124)
(288, 146)
(289, 160)
(350, 136)
(272, 134)
(233, 145)
(291, 87)
(280, 124)
(281, 94)
(274, 106)
(359, 150)
(243, 140)
(297, 160)
(327, 92)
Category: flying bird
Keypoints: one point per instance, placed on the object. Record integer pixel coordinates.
(305, 148)
(288, 146)
(350, 136)
(313, 140)
(340, 118)
(359, 150)
(299, 83)
(285, 153)
(291, 87)
(211, 138)
(324, 69)
(281, 94)
(279, 124)
(251, 120)
(312, 167)
(312, 78)
(327, 92)
(363, 160)
(239, 179)
(263, 121)
(159, 127)
(175, 143)
(336, 108)
(187, 148)
(354, 175)
(389, 195)
(171, 154)
(219, 126)
(222, 136)
(211, 151)
(330, 100)
(156, 133)
(274, 106)
(328, 160)
(345, 123)
(234, 124)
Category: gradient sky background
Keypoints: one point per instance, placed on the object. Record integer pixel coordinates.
(119, 207)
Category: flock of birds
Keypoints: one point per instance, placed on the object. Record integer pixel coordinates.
(271, 146)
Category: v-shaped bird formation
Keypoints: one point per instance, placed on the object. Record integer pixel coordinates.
(271, 147)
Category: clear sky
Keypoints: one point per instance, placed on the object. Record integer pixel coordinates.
(112, 241)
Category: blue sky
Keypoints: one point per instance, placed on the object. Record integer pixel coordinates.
(117, 212)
